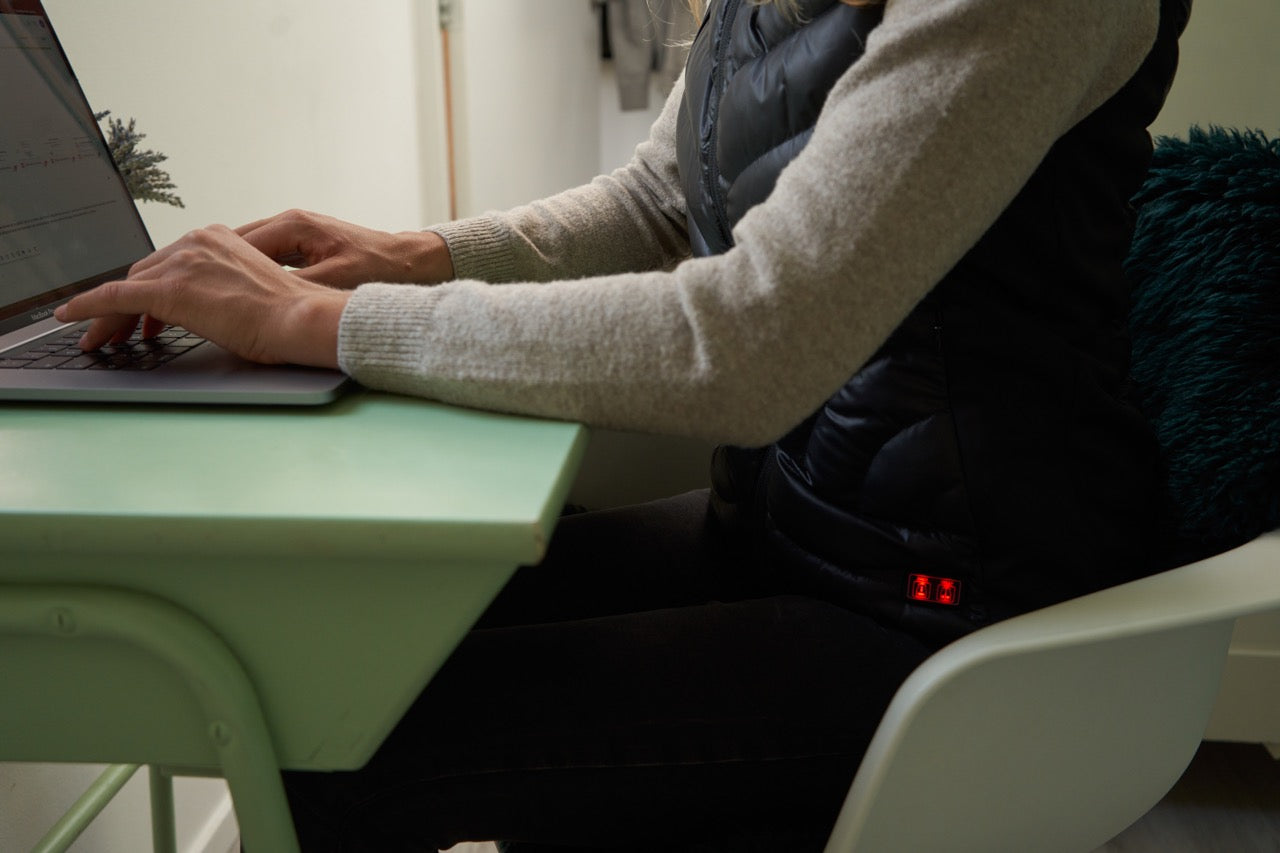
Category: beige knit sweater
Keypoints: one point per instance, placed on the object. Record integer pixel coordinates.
(603, 319)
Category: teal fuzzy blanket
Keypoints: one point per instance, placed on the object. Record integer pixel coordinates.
(1205, 266)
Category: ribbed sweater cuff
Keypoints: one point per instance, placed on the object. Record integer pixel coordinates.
(383, 329)
(480, 249)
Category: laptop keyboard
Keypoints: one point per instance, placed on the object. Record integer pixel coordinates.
(62, 353)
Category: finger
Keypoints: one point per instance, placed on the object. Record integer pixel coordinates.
(248, 227)
(134, 297)
(151, 326)
(297, 260)
(332, 272)
(114, 329)
(295, 215)
(279, 240)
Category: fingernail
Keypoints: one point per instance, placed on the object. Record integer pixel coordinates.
(60, 312)
(83, 339)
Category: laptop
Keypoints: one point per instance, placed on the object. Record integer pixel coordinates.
(68, 224)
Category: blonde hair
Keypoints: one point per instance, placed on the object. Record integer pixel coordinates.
(789, 8)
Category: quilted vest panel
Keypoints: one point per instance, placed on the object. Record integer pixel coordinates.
(985, 461)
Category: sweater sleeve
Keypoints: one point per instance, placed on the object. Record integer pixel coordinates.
(919, 147)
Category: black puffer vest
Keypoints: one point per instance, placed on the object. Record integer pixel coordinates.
(985, 461)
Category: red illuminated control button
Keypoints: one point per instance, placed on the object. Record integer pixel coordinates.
(921, 588)
(933, 589)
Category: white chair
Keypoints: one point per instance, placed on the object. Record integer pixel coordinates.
(1055, 730)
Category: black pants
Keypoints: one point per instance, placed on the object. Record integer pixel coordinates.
(641, 689)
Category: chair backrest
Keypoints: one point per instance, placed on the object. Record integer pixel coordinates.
(1056, 729)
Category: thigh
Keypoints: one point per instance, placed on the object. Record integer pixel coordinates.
(660, 554)
(674, 728)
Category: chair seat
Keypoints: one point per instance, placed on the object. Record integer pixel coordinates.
(1056, 729)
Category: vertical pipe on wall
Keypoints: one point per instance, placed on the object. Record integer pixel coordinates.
(446, 20)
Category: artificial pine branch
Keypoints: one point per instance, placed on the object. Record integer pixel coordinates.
(142, 175)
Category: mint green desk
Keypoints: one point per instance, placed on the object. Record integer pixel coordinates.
(231, 591)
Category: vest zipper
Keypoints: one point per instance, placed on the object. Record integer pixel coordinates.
(719, 203)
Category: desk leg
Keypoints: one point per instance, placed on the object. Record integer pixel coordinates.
(90, 804)
(201, 663)
(164, 830)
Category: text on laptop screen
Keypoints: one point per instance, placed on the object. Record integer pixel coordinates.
(66, 219)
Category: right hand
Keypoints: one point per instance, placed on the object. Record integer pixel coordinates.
(339, 254)
(215, 284)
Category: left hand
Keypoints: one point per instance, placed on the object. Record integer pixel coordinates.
(344, 255)
(213, 283)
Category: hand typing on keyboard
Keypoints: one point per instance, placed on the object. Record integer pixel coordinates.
(217, 285)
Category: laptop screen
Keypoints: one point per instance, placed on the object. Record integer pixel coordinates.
(67, 221)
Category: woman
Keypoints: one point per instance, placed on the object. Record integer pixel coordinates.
(876, 252)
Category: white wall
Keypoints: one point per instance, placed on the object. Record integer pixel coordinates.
(535, 111)
(262, 105)
(621, 132)
(526, 114)
(1229, 72)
